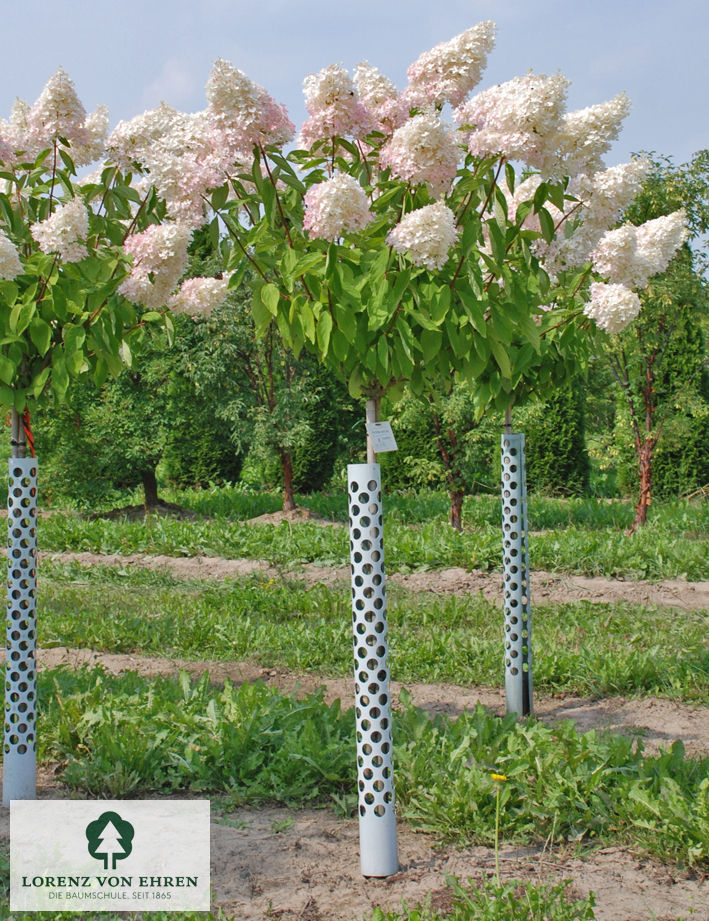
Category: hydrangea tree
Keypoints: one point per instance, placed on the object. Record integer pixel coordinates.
(76, 258)
(403, 250)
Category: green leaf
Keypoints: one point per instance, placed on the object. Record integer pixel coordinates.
(219, 197)
(497, 242)
(60, 375)
(556, 195)
(501, 357)
(39, 382)
(339, 345)
(270, 296)
(7, 369)
(540, 196)
(307, 320)
(323, 332)
(41, 335)
(383, 352)
(262, 317)
(431, 341)
(547, 224)
(346, 322)
(510, 176)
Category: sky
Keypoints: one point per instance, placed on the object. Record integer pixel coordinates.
(133, 54)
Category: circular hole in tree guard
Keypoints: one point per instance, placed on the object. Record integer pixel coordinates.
(375, 747)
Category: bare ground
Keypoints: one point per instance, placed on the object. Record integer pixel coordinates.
(546, 586)
(303, 865)
(658, 722)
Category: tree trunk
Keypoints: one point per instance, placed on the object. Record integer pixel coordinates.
(287, 468)
(456, 516)
(150, 488)
(645, 454)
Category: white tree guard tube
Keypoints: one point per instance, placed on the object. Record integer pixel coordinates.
(19, 752)
(517, 603)
(375, 773)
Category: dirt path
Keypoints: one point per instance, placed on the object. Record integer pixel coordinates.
(546, 586)
(303, 865)
(657, 721)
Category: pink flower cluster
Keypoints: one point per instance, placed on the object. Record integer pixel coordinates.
(334, 106)
(336, 207)
(184, 156)
(423, 151)
(246, 113)
(10, 265)
(64, 232)
(612, 307)
(519, 119)
(199, 297)
(386, 108)
(57, 113)
(449, 71)
(159, 260)
(426, 235)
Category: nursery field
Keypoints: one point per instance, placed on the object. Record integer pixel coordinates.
(211, 656)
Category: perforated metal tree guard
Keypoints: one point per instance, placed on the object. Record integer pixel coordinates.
(375, 774)
(517, 604)
(19, 752)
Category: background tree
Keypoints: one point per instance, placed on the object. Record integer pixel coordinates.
(658, 365)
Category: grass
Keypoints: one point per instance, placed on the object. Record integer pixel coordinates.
(489, 901)
(673, 546)
(126, 736)
(581, 648)
(418, 507)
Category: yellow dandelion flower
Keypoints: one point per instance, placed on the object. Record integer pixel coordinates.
(500, 778)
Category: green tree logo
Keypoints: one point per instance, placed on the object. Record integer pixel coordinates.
(110, 839)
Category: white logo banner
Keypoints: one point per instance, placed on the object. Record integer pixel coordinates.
(124, 855)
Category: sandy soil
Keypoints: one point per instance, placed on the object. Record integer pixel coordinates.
(658, 722)
(546, 586)
(303, 865)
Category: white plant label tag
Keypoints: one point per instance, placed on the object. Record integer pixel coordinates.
(382, 437)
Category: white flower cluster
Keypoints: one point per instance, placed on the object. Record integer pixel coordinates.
(423, 150)
(334, 207)
(519, 119)
(585, 136)
(58, 112)
(184, 156)
(335, 108)
(96, 126)
(612, 307)
(199, 297)
(380, 98)
(159, 260)
(64, 232)
(426, 235)
(449, 71)
(245, 109)
(129, 140)
(631, 255)
(10, 265)
(601, 200)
